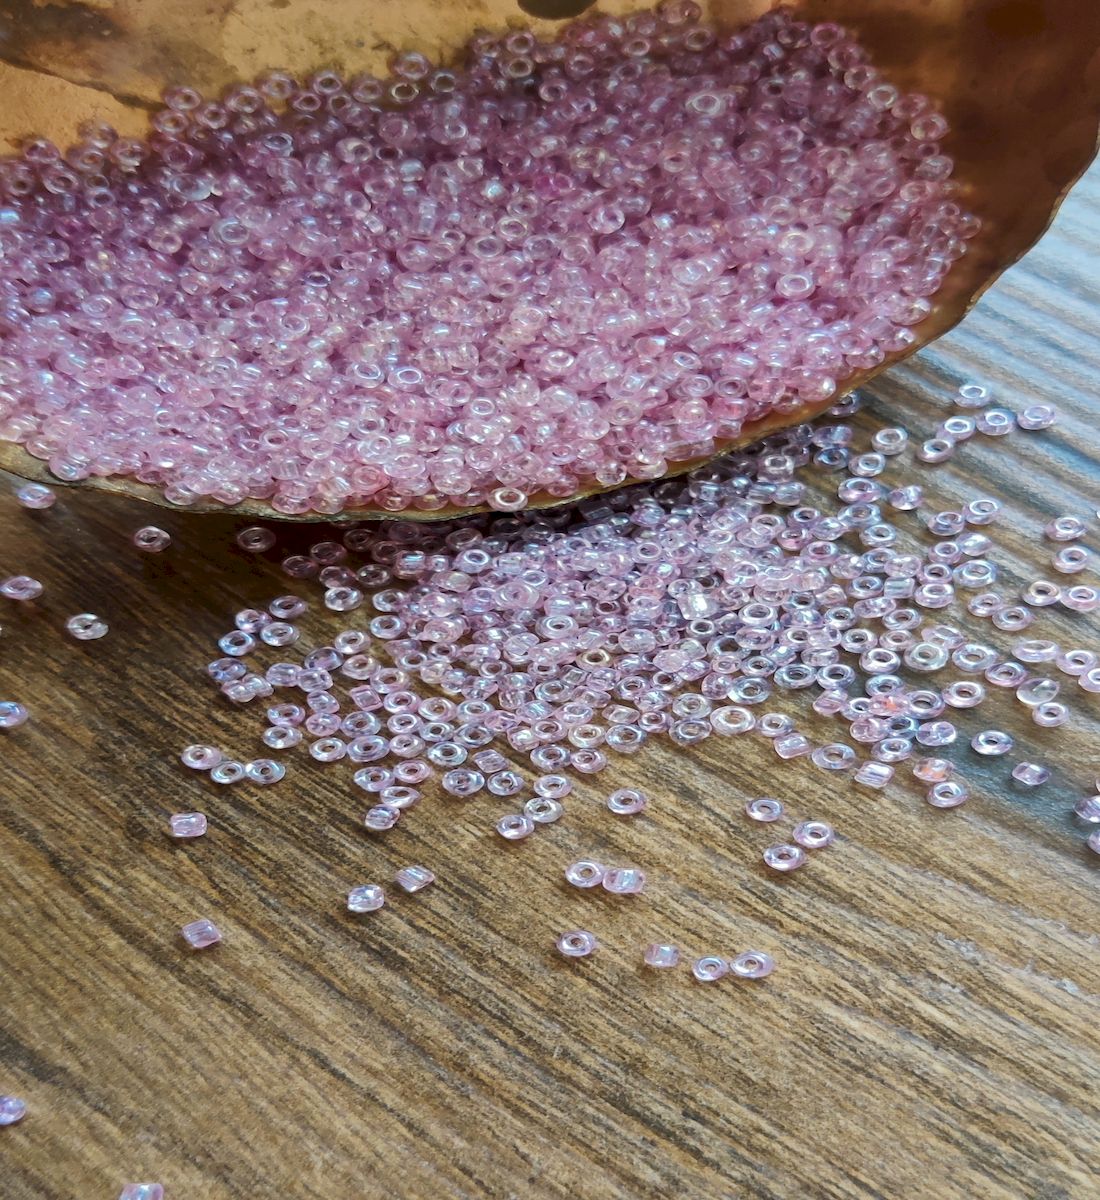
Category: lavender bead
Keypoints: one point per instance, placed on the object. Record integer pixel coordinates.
(709, 968)
(515, 826)
(414, 879)
(87, 627)
(623, 881)
(201, 934)
(187, 825)
(151, 540)
(784, 857)
(752, 964)
(36, 496)
(626, 801)
(12, 714)
(585, 873)
(661, 956)
(949, 794)
(1031, 774)
(813, 835)
(368, 897)
(764, 809)
(577, 943)
(142, 1191)
(12, 1110)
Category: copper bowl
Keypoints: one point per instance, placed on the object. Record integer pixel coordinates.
(1018, 80)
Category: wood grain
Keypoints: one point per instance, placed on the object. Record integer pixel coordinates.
(930, 1031)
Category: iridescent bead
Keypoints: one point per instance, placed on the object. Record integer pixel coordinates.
(834, 757)
(555, 787)
(732, 719)
(813, 835)
(515, 826)
(1076, 662)
(1050, 714)
(227, 771)
(752, 964)
(933, 770)
(1070, 559)
(255, 539)
(577, 943)
(35, 496)
(286, 608)
(187, 825)
(936, 450)
(585, 873)
(936, 733)
(12, 714)
(907, 498)
(1065, 529)
(982, 512)
(543, 811)
(1080, 598)
(764, 808)
(996, 422)
(201, 758)
(891, 440)
(86, 627)
(264, 770)
(368, 897)
(1036, 650)
(142, 1191)
(12, 1110)
(963, 694)
(462, 782)
(1006, 674)
(151, 540)
(381, 817)
(972, 395)
(1093, 841)
(1037, 691)
(1088, 809)
(236, 643)
(623, 881)
(949, 794)
(281, 737)
(791, 745)
(1090, 680)
(709, 968)
(992, 742)
(661, 955)
(414, 879)
(784, 857)
(328, 749)
(871, 774)
(1037, 416)
(626, 801)
(201, 933)
(1031, 774)
(21, 587)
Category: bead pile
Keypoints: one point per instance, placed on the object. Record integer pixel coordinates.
(572, 263)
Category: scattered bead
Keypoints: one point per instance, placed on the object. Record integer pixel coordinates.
(661, 955)
(1070, 559)
(949, 794)
(626, 802)
(577, 943)
(12, 714)
(200, 934)
(992, 742)
(764, 808)
(784, 857)
(1088, 809)
(86, 627)
(142, 1191)
(187, 825)
(623, 881)
(585, 873)
(368, 897)
(227, 771)
(414, 879)
(813, 835)
(12, 1110)
(515, 826)
(1031, 774)
(752, 964)
(151, 540)
(21, 587)
(201, 758)
(36, 496)
(264, 770)
(709, 968)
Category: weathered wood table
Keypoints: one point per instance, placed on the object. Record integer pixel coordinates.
(931, 1030)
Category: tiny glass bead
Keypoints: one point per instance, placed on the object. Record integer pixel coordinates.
(368, 897)
(12, 714)
(1088, 809)
(255, 539)
(813, 835)
(1050, 714)
(784, 857)
(709, 968)
(871, 774)
(1038, 416)
(949, 794)
(151, 540)
(142, 1191)
(792, 745)
(200, 934)
(1093, 841)
(936, 450)
(752, 964)
(1080, 598)
(21, 587)
(381, 818)
(1065, 529)
(413, 879)
(227, 771)
(996, 422)
(585, 873)
(281, 737)
(623, 881)
(577, 943)
(1070, 559)
(515, 826)
(933, 770)
(626, 802)
(764, 808)
(661, 955)
(555, 787)
(86, 627)
(992, 742)
(187, 825)
(972, 395)
(12, 1109)
(1031, 774)
(201, 758)
(834, 757)
(36, 496)
(544, 811)
(264, 770)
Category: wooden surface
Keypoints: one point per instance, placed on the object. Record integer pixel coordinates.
(930, 1030)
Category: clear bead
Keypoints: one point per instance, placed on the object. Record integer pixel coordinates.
(577, 943)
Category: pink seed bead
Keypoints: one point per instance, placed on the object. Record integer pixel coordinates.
(368, 897)
(543, 811)
(1065, 529)
(1038, 416)
(36, 496)
(12, 1110)
(142, 1191)
(661, 956)
(709, 968)
(813, 835)
(187, 825)
(933, 770)
(949, 794)
(784, 857)
(585, 873)
(200, 934)
(577, 943)
(764, 808)
(992, 742)
(1031, 774)
(12, 714)
(21, 587)
(255, 539)
(1093, 841)
(414, 879)
(623, 881)
(381, 818)
(752, 964)
(1088, 809)
(626, 802)
(515, 826)
(873, 774)
(201, 758)
(151, 540)
(227, 771)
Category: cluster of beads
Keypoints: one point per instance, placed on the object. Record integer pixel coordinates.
(575, 261)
